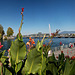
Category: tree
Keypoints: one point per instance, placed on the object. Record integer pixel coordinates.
(9, 31)
(1, 31)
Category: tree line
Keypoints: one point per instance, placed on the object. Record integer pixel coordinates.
(9, 31)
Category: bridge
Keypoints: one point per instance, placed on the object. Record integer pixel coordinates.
(41, 36)
(36, 36)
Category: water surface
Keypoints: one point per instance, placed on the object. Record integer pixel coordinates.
(7, 43)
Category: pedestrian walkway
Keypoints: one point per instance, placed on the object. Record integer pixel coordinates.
(66, 51)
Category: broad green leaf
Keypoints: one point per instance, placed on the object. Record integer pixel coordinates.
(43, 64)
(69, 68)
(43, 67)
(51, 66)
(72, 69)
(19, 38)
(17, 53)
(3, 58)
(33, 62)
(2, 53)
(18, 66)
(7, 72)
(0, 68)
(42, 40)
(40, 44)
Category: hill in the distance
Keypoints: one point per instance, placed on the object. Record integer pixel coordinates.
(67, 32)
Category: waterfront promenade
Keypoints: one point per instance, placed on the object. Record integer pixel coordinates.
(67, 51)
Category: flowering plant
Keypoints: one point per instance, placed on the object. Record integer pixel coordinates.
(1, 45)
(30, 43)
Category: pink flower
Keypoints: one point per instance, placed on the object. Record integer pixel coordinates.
(60, 43)
(73, 57)
(67, 51)
(71, 51)
(52, 34)
(22, 9)
(66, 56)
(57, 57)
(44, 45)
(1, 45)
(61, 51)
(71, 46)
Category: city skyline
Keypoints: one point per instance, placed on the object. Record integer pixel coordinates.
(38, 14)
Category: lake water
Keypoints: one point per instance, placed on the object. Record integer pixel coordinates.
(7, 43)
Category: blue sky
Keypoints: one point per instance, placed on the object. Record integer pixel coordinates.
(38, 14)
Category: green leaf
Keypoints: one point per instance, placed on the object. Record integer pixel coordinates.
(52, 68)
(19, 65)
(51, 64)
(7, 72)
(40, 44)
(72, 71)
(43, 64)
(17, 53)
(61, 58)
(2, 53)
(0, 68)
(33, 62)
(3, 58)
(19, 38)
(69, 68)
